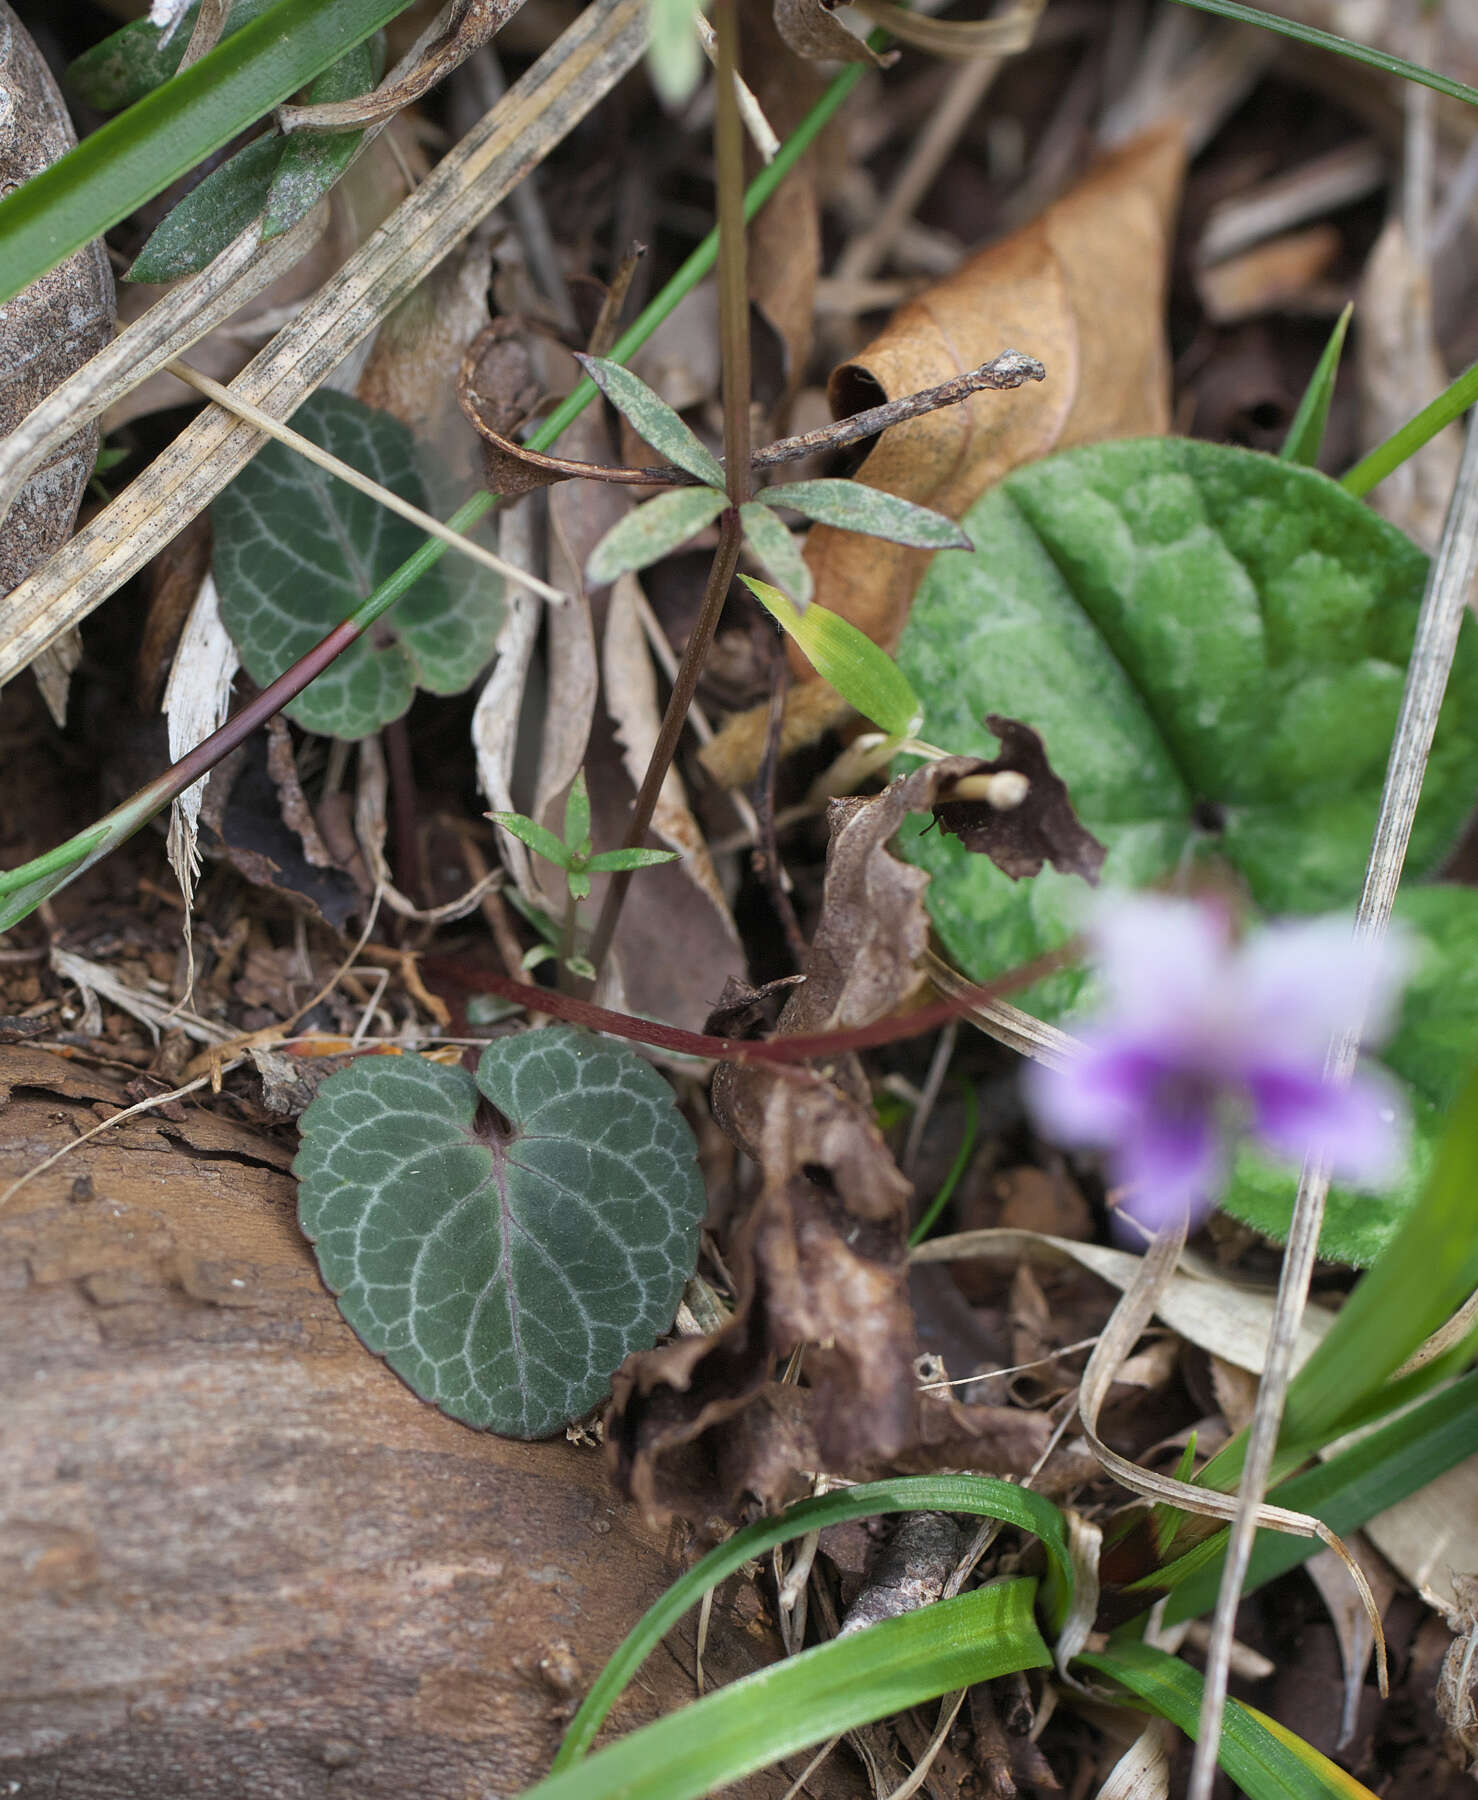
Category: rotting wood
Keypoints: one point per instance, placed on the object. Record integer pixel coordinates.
(603, 43)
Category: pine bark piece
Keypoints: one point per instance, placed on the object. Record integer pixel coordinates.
(239, 1557)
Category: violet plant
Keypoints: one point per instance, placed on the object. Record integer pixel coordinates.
(1204, 1038)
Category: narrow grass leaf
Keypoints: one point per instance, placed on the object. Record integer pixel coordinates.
(140, 152)
(1306, 433)
(652, 532)
(807, 1698)
(653, 419)
(770, 540)
(1402, 445)
(1262, 1762)
(852, 506)
(865, 676)
(979, 1495)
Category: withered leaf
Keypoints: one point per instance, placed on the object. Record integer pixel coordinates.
(811, 29)
(1042, 827)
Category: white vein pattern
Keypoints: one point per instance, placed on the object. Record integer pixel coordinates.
(505, 1282)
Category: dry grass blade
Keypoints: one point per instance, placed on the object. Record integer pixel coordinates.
(603, 43)
(1443, 607)
(999, 1019)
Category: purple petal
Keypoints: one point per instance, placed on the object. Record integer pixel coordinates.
(1099, 1097)
(1359, 1127)
(1299, 985)
(1172, 1168)
(1159, 959)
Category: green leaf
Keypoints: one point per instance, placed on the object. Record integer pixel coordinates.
(1407, 439)
(531, 832)
(213, 213)
(853, 506)
(1263, 1761)
(132, 62)
(1306, 433)
(770, 540)
(579, 884)
(1212, 644)
(610, 860)
(869, 1675)
(653, 419)
(982, 1496)
(297, 551)
(139, 153)
(649, 533)
(577, 815)
(503, 1243)
(312, 161)
(865, 676)
(674, 56)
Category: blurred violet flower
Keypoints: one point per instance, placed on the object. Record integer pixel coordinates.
(1203, 1039)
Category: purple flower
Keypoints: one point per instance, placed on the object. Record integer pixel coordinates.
(1203, 1039)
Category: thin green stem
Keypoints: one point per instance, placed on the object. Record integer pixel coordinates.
(65, 861)
(957, 1169)
(1404, 443)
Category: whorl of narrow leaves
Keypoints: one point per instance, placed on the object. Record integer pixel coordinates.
(503, 1242)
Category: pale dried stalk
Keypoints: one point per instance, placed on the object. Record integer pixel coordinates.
(1007, 1024)
(1443, 606)
(346, 472)
(605, 41)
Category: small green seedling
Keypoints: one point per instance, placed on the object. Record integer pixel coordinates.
(574, 854)
(656, 529)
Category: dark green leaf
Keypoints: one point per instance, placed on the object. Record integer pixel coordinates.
(1212, 644)
(312, 161)
(140, 152)
(853, 506)
(503, 1243)
(134, 61)
(577, 815)
(653, 419)
(652, 531)
(297, 551)
(1306, 433)
(213, 213)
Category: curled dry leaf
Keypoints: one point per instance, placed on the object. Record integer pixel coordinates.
(821, 1260)
(1040, 827)
(1081, 290)
(46, 333)
(812, 29)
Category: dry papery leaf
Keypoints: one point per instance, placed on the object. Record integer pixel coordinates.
(356, 1588)
(1081, 289)
(820, 1261)
(45, 334)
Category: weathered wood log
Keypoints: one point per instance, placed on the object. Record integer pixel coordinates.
(237, 1557)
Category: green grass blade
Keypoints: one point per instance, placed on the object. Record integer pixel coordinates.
(861, 671)
(1396, 1460)
(140, 152)
(980, 1495)
(1404, 443)
(833, 1688)
(1265, 1761)
(1327, 40)
(1306, 433)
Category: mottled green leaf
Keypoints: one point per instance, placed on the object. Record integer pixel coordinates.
(132, 62)
(653, 419)
(536, 836)
(865, 676)
(503, 1242)
(213, 213)
(1212, 645)
(312, 161)
(610, 860)
(297, 551)
(577, 814)
(652, 531)
(770, 540)
(853, 506)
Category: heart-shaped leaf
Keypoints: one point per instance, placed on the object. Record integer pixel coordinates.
(503, 1242)
(852, 506)
(297, 551)
(649, 533)
(1212, 644)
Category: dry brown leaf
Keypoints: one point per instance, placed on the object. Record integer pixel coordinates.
(811, 30)
(1040, 827)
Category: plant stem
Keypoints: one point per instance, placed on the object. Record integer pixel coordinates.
(46, 874)
(1403, 443)
(733, 308)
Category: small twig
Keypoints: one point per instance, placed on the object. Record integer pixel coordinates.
(306, 448)
(1008, 370)
(1443, 607)
(766, 854)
